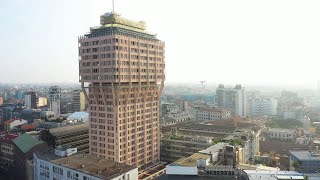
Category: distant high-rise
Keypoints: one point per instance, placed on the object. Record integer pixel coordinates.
(30, 100)
(42, 101)
(1, 101)
(78, 101)
(121, 69)
(54, 99)
(233, 99)
(262, 106)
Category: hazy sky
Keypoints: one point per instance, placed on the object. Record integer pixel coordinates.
(250, 42)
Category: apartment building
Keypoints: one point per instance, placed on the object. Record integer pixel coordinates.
(30, 100)
(260, 107)
(281, 134)
(78, 101)
(54, 99)
(233, 99)
(204, 113)
(176, 118)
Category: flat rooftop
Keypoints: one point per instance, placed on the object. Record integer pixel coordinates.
(207, 128)
(191, 160)
(188, 177)
(304, 156)
(69, 129)
(273, 175)
(85, 163)
(214, 109)
(214, 148)
(281, 130)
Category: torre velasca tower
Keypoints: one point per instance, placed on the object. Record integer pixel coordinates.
(122, 72)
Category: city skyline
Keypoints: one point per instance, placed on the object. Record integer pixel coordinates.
(149, 89)
(276, 46)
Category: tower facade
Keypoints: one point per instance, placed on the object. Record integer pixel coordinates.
(121, 68)
(78, 100)
(30, 100)
(54, 99)
(234, 99)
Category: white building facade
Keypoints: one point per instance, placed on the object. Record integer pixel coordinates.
(54, 99)
(233, 99)
(15, 123)
(281, 134)
(30, 100)
(48, 170)
(260, 107)
(203, 114)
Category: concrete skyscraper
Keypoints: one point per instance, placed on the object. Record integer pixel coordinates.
(78, 100)
(30, 100)
(54, 99)
(121, 69)
(234, 99)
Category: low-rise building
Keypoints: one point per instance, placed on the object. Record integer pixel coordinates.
(204, 113)
(247, 133)
(271, 175)
(169, 108)
(50, 121)
(222, 152)
(10, 124)
(175, 118)
(77, 117)
(189, 165)
(61, 165)
(305, 161)
(207, 163)
(277, 153)
(73, 135)
(280, 134)
(6, 150)
(174, 147)
(24, 146)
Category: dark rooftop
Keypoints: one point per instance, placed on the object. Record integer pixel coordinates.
(69, 129)
(92, 165)
(281, 148)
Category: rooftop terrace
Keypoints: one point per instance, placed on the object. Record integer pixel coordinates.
(190, 161)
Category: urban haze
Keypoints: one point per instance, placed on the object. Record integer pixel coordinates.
(165, 90)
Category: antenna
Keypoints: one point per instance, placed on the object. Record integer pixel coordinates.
(112, 5)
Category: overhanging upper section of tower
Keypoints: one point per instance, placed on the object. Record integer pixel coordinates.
(113, 23)
(121, 51)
